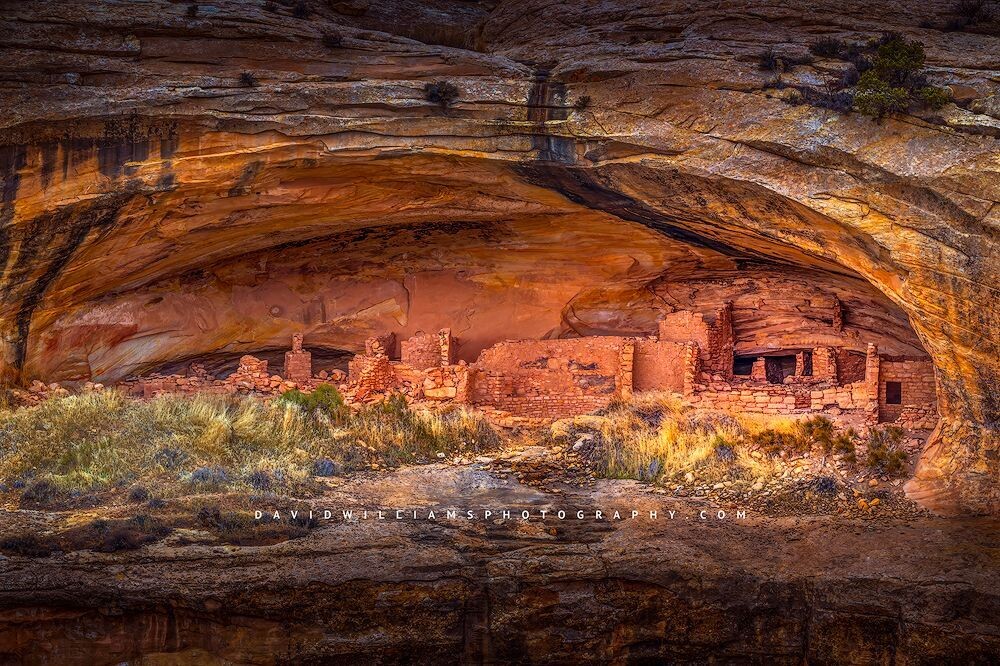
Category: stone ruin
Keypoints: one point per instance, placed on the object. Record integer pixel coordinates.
(298, 363)
(693, 355)
(251, 376)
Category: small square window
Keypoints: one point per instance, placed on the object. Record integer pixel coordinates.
(893, 393)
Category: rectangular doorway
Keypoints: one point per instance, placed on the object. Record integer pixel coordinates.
(777, 368)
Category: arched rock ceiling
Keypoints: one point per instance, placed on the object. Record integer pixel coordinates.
(153, 207)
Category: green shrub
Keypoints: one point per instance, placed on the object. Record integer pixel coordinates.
(884, 452)
(828, 47)
(843, 444)
(891, 76)
(934, 97)
(898, 60)
(876, 98)
(773, 442)
(325, 398)
(296, 397)
(818, 430)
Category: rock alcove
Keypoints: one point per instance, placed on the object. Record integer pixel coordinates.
(184, 214)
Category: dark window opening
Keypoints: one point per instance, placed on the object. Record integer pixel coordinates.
(778, 367)
(807, 364)
(743, 365)
(893, 393)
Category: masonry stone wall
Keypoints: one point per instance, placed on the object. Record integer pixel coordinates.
(298, 363)
(550, 379)
(251, 376)
(446, 343)
(919, 393)
(790, 399)
(447, 382)
(835, 400)
(658, 365)
(825, 364)
(421, 351)
(553, 378)
(712, 334)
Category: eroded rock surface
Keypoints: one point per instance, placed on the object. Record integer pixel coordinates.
(685, 590)
(156, 207)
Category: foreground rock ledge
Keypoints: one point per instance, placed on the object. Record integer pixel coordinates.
(785, 591)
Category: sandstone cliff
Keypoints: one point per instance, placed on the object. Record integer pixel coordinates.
(182, 182)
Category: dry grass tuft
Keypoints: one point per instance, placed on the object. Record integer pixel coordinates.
(177, 444)
(653, 438)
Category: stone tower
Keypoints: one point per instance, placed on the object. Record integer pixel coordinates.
(298, 363)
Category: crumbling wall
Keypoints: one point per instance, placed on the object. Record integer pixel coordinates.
(449, 349)
(446, 382)
(371, 372)
(553, 378)
(825, 364)
(252, 376)
(449, 382)
(835, 400)
(421, 351)
(760, 398)
(426, 369)
(712, 334)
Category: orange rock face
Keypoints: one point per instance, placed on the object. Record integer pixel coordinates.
(156, 207)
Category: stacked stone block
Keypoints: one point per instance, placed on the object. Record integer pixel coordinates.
(298, 363)
(919, 393)
(372, 372)
(553, 378)
(825, 364)
(421, 351)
